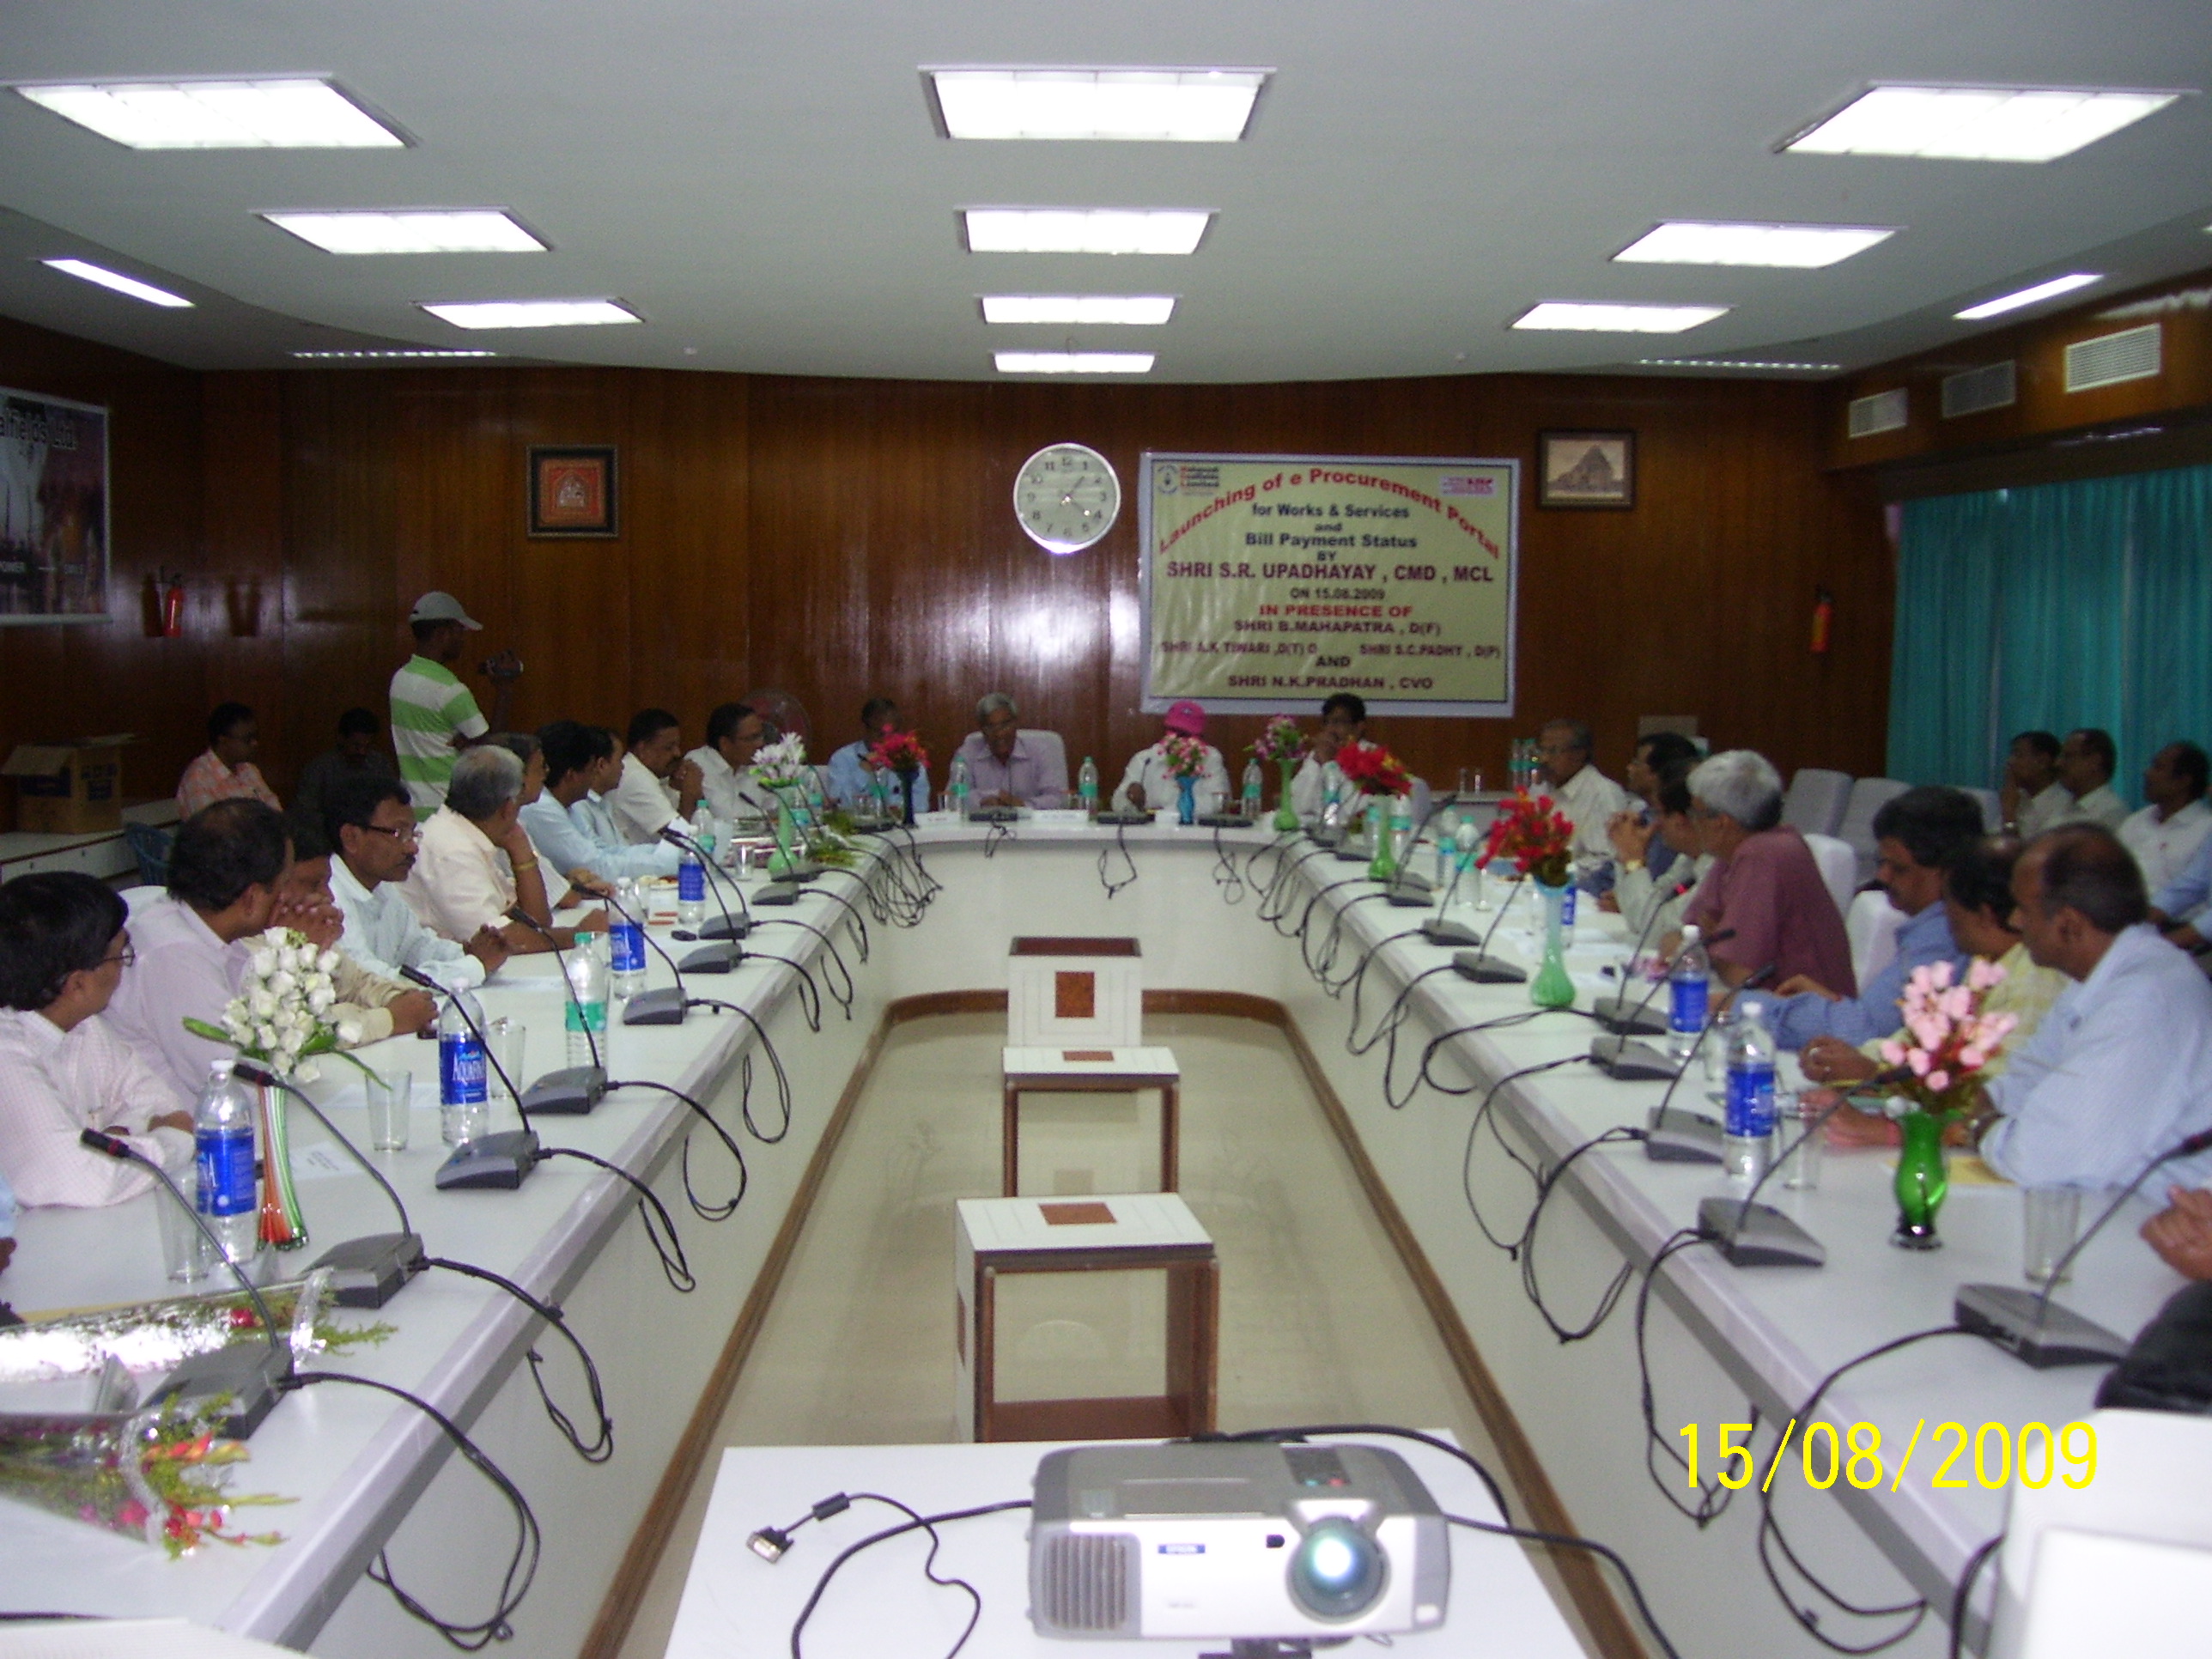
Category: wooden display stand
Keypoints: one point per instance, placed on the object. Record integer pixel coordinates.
(1090, 1070)
(1000, 1236)
(1075, 993)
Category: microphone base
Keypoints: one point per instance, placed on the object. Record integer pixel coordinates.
(1344, 854)
(1125, 819)
(570, 1093)
(497, 1162)
(1488, 970)
(1757, 1235)
(719, 958)
(1631, 1062)
(1629, 1015)
(998, 815)
(776, 893)
(2007, 1316)
(723, 928)
(1408, 891)
(1451, 935)
(1673, 1135)
(249, 1377)
(1223, 821)
(661, 1007)
(368, 1272)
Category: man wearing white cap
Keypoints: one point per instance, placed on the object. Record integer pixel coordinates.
(434, 715)
(1148, 784)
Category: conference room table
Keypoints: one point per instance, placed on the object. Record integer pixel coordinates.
(1232, 923)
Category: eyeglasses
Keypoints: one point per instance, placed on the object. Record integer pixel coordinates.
(126, 958)
(402, 836)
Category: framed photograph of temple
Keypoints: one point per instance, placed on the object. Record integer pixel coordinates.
(1586, 468)
(572, 491)
(53, 509)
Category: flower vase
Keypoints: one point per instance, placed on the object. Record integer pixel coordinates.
(1286, 814)
(1381, 862)
(1922, 1181)
(786, 858)
(1552, 987)
(906, 794)
(1185, 800)
(282, 1225)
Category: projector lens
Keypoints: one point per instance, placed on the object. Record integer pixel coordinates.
(1338, 1570)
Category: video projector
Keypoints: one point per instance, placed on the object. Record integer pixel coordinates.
(1251, 1543)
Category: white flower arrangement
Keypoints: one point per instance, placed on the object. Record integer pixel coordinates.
(280, 1015)
(781, 765)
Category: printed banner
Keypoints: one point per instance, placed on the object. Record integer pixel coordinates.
(53, 509)
(1271, 581)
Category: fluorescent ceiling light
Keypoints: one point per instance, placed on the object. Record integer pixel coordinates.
(1085, 230)
(1141, 309)
(294, 113)
(1977, 124)
(1072, 362)
(364, 357)
(1739, 362)
(85, 272)
(427, 230)
(1804, 247)
(2027, 296)
(1605, 318)
(533, 313)
(1186, 106)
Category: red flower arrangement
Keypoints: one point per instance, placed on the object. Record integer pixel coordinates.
(1531, 835)
(1185, 755)
(1372, 769)
(901, 753)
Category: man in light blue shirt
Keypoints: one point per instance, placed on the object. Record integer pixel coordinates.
(852, 784)
(2121, 1067)
(575, 755)
(2175, 907)
(1920, 835)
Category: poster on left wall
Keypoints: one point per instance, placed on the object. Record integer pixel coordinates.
(53, 509)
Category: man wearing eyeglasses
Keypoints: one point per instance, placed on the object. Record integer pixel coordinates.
(370, 823)
(1584, 796)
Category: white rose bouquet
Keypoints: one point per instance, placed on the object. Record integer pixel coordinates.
(280, 1015)
(781, 765)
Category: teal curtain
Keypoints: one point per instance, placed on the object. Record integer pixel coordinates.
(2058, 606)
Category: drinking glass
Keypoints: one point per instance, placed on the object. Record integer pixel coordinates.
(2051, 1219)
(391, 1105)
(1795, 1116)
(185, 1256)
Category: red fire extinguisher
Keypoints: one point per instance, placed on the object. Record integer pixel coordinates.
(1824, 617)
(173, 607)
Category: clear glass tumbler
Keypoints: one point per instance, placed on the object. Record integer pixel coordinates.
(391, 1105)
(2051, 1220)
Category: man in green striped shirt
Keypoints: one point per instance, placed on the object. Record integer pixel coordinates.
(434, 715)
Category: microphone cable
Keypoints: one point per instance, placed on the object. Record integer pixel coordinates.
(602, 1446)
(1712, 1500)
(843, 998)
(705, 1212)
(997, 834)
(1962, 1597)
(673, 1262)
(810, 994)
(1121, 846)
(1483, 1114)
(1619, 1134)
(746, 1071)
(1227, 880)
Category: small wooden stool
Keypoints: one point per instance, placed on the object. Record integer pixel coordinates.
(1087, 1235)
(1090, 1071)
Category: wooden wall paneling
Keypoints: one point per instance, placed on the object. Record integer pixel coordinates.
(690, 485)
(245, 603)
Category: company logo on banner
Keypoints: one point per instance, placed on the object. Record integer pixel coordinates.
(1270, 581)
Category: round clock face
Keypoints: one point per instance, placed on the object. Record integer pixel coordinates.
(1066, 497)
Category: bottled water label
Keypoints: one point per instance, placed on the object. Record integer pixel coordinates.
(1689, 998)
(1567, 908)
(586, 1016)
(690, 889)
(1750, 1101)
(226, 1173)
(627, 941)
(461, 1071)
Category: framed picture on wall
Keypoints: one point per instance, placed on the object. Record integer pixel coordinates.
(1586, 468)
(572, 491)
(53, 509)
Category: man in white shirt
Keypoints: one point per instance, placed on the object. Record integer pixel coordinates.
(2087, 761)
(369, 821)
(725, 761)
(474, 862)
(1343, 721)
(574, 754)
(2121, 1067)
(1584, 796)
(1147, 784)
(2032, 798)
(2165, 834)
(658, 784)
(63, 947)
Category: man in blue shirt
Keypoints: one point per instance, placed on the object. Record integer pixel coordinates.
(852, 784)
(1918, 836)
(573, 754)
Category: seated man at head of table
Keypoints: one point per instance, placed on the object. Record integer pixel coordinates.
(372, 824)
(1146, 783)
(2121, 1067)
(1764, 891)
(658, 784)
(224, 868)
(1655, 753)
(2087, 761)
(1003, 768)
(1652, 904)
(1343, 721)
(573, 754)
(853, 781)
(1580, 793)
(474, 863)
(225, 770)
(63, 945)
(1918, 836)
(735, 732)
(359, 754)
(2032, 798)
(2166, 833)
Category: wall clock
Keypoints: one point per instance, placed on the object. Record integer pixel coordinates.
(1067, 496)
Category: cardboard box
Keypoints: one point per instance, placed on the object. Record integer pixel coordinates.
(70, 787)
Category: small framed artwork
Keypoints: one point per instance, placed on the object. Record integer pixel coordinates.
(572, 491)
(1586, 468)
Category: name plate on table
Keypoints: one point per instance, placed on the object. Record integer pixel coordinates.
(1061, 817)
(937, 818)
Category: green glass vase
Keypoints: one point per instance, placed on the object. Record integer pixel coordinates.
(789, 851)
(1381, 860)
(1286, 814)
(1921, 1183)
(1552, 987)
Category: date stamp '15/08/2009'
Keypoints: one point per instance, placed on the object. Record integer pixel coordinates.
(1991, 1456)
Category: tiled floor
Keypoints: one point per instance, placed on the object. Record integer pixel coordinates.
(1320, 1323)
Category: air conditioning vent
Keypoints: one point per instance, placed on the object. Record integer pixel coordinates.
(2131, 355)
(1885, 411)
(1085, 1581)
(1993, 386)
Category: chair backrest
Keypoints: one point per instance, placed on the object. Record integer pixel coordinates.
(1052, 745)
(1814, 805)
(1992, 808)
(150, 844)
(1839, 868)
(1871, 926)
(1869, 796)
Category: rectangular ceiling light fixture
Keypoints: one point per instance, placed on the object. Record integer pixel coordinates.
(533, 313)
(2027, 296)
(1609, 319)
(1072, 362)
(295, 112)
(411, 230)
(85, 272)
(1143, 310)
(1801, 248)
(1161, 105)
(1085, 230)
(1977, 124)
(378, 356)
(1781, 366)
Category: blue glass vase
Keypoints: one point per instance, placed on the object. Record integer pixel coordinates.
(1185, 800)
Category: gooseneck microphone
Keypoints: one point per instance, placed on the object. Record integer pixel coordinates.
(248, 1379)
(1614, 1012)
(574, 1089)
(500, 1160)
(662, 1007)
(728, 927)
(1479, 964)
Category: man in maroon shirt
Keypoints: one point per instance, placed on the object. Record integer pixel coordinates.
(1764, 889)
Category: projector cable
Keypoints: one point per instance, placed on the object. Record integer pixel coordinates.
(1568, 1540)
(914, 1522)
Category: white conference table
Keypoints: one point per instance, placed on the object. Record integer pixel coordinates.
(363, 1466)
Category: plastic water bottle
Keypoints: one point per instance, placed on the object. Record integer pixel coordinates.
(691, 894)
(222, 1139)
(1747, 1128)
(1447, 847)
(1689, 991)
(1401, 830)
(464, 1074)
(1250, 791)
(626, 937)
(956, 786)
(585, 1019)
(1086, 785)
